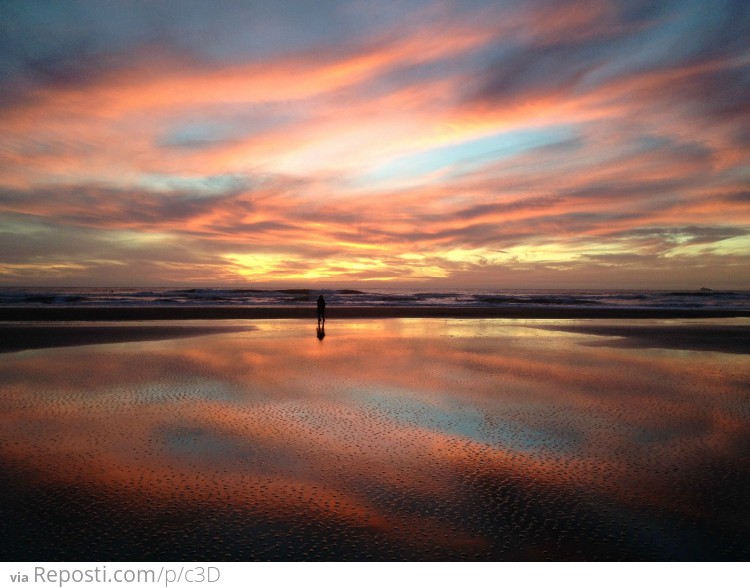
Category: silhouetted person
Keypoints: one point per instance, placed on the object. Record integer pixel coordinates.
(321, 309)
(321, 332)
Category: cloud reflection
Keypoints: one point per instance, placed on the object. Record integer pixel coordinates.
(396, 428)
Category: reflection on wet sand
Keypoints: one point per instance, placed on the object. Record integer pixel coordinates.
(395, 439)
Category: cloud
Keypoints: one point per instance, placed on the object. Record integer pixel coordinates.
(557, 132)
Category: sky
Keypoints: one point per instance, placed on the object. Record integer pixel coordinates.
(441, 143)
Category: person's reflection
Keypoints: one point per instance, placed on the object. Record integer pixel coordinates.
(321, 331)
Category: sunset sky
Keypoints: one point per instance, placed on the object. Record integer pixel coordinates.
(497, 144)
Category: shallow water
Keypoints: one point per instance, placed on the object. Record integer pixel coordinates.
(388, 439)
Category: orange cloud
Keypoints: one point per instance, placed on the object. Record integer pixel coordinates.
(416, 152)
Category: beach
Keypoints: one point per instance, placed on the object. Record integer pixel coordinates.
(57, 326)
(394, 282)
(386, 439)
(148, 313)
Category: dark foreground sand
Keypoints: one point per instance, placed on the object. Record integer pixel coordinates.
(17, 338)
(49, 327)
(691, 337)
(348, 312)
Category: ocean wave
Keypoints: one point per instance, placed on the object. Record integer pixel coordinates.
(146, 297)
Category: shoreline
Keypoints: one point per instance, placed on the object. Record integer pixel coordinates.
(349, 312)
(66, 327)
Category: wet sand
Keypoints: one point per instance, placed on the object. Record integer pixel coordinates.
(627, 331)
(400, 439)
(696, 337)
(347, 313)
(17, 338)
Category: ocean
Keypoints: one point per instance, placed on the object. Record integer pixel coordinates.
(254, 297)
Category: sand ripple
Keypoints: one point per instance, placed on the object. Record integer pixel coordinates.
(389, 439)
